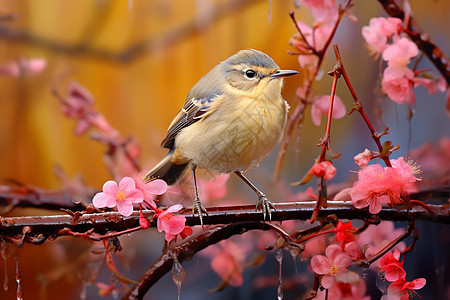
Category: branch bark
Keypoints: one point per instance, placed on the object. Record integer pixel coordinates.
(36, 229)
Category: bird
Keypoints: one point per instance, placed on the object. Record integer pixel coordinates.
(231, 120)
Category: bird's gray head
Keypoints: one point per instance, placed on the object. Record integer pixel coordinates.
(251, 70)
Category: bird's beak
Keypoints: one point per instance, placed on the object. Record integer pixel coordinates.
(283, 73)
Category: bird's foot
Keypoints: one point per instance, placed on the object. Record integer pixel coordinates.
(200, 209)
(265, 205)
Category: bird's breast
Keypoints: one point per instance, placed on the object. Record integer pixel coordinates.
(238, 135)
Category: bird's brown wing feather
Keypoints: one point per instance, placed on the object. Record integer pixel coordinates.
(193, 110)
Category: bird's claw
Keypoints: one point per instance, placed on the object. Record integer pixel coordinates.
(265, 205)
(200, 209)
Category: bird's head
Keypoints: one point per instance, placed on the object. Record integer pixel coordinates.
(252, 71)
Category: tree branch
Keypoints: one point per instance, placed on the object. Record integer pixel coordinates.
(36, 229)
(186, 251)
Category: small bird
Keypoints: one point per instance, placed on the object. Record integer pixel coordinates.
(231, 120)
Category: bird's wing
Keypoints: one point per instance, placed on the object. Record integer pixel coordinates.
(193, 110)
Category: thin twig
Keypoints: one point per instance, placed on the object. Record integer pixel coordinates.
(358, 107)
(301, 106)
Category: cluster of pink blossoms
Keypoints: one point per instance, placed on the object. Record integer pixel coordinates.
(394, 272)
(325, 13)
(340, 282)
(131, 191)
(398, 80)
(377, 185)
(23, 67)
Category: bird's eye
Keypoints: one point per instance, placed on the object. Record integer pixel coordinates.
(250, 74)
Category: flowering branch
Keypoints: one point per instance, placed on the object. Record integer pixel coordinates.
(186, 251)
(94, 226)
(357, 105)
(301, 106)
(431, 50)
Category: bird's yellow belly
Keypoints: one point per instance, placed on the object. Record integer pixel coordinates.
(233, 141)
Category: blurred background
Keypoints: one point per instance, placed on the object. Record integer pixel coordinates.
(139, 60)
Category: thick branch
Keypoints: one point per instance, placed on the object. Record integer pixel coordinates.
(100, 223)
(186, 251)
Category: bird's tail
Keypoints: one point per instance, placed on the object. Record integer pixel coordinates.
(166, 170)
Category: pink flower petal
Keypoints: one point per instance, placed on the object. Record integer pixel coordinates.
(125, 209)
(353, 250)
(374, 206)
(342, 261)
(418, 283)
(174, 208)
(327, 281)
(396, 254)
(157, 187)
(127, 184)
(100, 200)
(110, 188)
(320, 264)
(135, 196)
(333, 251)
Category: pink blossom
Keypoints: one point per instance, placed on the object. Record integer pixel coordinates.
(378, 32)
(353, 250)
(403, 288)
(363, 158)
(334, 263)
(322, 10)
(169, 223)
(35, 65)
(324, 169)
(371, 188)
(405, 172)
(321, 105)
(23, 67)
(376, 237)
(104, 289)
(154, 187)
(429, 84)
(392, 267)
(321, 35)
(228, 260)
(79, 105)
(215, 188)
(377, 185)
(399, 53)
(399, 88)
(314, 246)
(344, 291)
(122, 195)
(343, 195)
(434, 159)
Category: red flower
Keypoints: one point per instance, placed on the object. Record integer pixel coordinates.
(403, 288)
(393, 269)
(344, 232)
(324, 169)
(169, 223)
